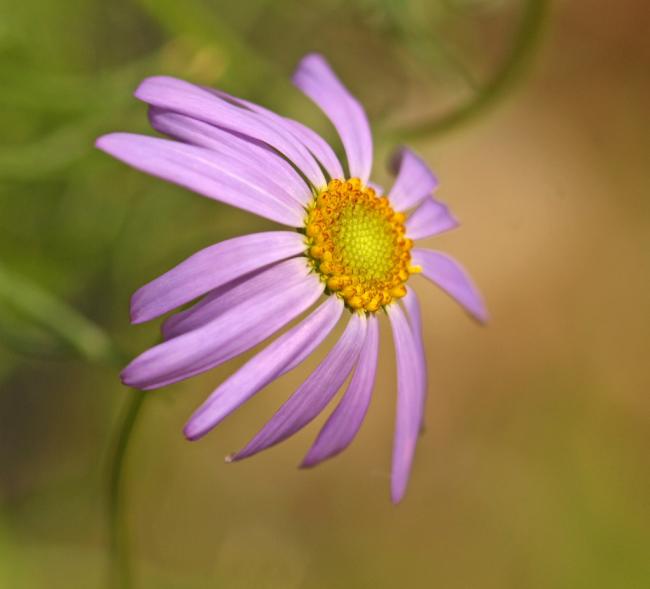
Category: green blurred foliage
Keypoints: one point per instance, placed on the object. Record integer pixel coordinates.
(533, 472)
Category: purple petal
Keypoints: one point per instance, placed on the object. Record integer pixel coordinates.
(204, 172)
(218, 301)
(344, 423)
(316, 79)
(255, 156)
(414, 182)
(444, 271)
(210, 268)
(320, 149)
(430, 218)
(204, 104)
(230, 334)
(265, 367)
(412, 306)
(314, 394)
(409, 401)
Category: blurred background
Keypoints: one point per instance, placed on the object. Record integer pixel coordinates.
(534, 468)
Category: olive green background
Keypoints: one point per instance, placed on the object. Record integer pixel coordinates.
(534, 469)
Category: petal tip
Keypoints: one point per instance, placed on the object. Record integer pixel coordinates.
(312, 57)
(483, 320)
(105, 142)
(481, 315)
(113, 143)
(130, 377)
(127, 378)
(135, 317)
(144, 87)
(136, 314)
(316, 456)
(99, 142)
(397, 494)
(308, 462)
(191, 432)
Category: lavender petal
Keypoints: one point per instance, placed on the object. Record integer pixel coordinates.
(344, 423)
(204, 104)
(449, 275)
(230, 334)
(210, 268)
(409, 401)
(412, 306)
(255, 156)
(431, 218)
(201, 171)
(319, 148)
(314, 394)
(265, 367)
(316, 79)
(218, 301)
(414, 181)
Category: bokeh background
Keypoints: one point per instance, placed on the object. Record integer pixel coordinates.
(534, 469)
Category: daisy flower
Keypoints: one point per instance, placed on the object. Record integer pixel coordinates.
(346, 252)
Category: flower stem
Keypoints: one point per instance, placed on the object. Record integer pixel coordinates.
(120, 576)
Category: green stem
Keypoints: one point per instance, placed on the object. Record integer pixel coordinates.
(120, 564)
(526, 39)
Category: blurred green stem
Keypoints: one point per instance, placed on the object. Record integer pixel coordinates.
(523, 48)
(76, 333)
(119, 544)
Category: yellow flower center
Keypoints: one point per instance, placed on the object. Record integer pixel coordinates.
(357, 243)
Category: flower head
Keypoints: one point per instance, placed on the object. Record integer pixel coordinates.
(349, 253)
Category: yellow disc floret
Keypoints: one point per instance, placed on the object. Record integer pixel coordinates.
(357, 243)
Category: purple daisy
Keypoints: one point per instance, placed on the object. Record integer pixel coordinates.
(348, 252)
